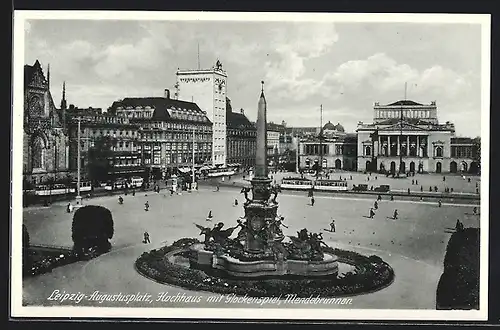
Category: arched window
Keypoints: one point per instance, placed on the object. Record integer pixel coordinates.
(37, 152)
(439, 151)
(368, 151)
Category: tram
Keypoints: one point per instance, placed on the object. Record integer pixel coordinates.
(330, 185)
(296, 183)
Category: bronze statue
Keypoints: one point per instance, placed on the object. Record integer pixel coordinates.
(207, 231)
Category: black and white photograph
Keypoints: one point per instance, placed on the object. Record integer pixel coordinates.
(284, 166)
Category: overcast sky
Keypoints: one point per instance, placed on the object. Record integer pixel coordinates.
(346, 67)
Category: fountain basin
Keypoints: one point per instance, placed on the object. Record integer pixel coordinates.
(201, 258)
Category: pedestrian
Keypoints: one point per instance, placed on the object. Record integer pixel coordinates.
(312, 201)
(69, 208)
(171, 191)
(477, 190)
(351, 177)
(146, 206)
(468, 180)
(444, 178)
(133, 192)
(120, 200)
(218, 187)
(209, 217)
(408, 191)
(379, 197)
(451, 189)
(235, 202)
(421, 188)
(332, 226)
(439, 203)
(392, 198)
(430, 189)
(395, 215)
(375, 205)
(435, 188)
(372, 213)
(376, 177)
(146, 238)
(477, 185)
(421, 199)
(416, 181)
(474, 210)
(412, 182)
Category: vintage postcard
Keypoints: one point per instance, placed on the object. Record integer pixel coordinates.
(278, 166)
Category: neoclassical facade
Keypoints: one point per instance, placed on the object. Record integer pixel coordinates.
(336, 149)
(45, 150)
(406, 136)
(241, 138)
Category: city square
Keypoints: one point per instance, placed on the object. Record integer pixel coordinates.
(414, 244)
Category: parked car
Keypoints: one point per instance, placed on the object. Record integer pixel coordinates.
(360, 187)
(383, 188)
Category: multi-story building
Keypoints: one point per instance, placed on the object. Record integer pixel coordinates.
(241, 138)
(121, 136)
(165, 136)
(45, 150)
(207, 88)
(407, 136)
(333, 149)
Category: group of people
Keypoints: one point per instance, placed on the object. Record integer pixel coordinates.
(395, 214)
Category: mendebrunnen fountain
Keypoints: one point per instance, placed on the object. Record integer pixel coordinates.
(259, 252)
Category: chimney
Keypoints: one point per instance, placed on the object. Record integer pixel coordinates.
(167, 93)
(242, 111)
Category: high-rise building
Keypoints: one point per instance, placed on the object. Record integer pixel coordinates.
(207, 88)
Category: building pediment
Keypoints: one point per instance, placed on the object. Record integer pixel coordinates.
(405, 127)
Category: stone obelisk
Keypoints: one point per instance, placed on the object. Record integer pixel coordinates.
(260, 211)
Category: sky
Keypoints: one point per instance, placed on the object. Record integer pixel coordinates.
(343, 67)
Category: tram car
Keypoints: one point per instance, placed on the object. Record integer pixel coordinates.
(85, 186)
(52, 190)
(219, 172)
(330, 185)
(296, 183)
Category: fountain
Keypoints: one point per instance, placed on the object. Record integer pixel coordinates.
(260, 248)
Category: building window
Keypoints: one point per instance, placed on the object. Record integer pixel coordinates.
(439, 151)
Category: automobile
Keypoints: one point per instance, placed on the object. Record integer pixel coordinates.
(383, 188)
(360, 187)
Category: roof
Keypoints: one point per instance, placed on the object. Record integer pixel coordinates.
(414, 121)
(461, 140)
(329, 126)
(404, 102)
(238, 120)
(29, 71)
(161, 106)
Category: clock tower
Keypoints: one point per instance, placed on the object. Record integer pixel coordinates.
(207, 88)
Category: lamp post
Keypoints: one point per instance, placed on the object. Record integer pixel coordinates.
(78, 197)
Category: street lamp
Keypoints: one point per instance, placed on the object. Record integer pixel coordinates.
(78, 197)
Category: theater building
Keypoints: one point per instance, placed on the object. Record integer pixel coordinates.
(165, 133)
(406, 136)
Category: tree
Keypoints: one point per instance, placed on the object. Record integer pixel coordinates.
(98, 155)
(92, 228)
(26, 251)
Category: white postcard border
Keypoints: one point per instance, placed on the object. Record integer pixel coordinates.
(17, 310)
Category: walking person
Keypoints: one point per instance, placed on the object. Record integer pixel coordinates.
(120, 200)
(375, 205)
(372, 213)
(146, 238)
(235, 202)
(218, 187)
(146, 206)
(312, 201)
(332, 226)
(379, 197)
(440, 203)
(421, 188)
(209, 217)
(395, 215)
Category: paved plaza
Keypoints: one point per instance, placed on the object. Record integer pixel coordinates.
(414, 245)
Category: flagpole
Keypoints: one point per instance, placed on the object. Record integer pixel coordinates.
(78, 197)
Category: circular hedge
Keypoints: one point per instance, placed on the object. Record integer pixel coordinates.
(370, 274)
